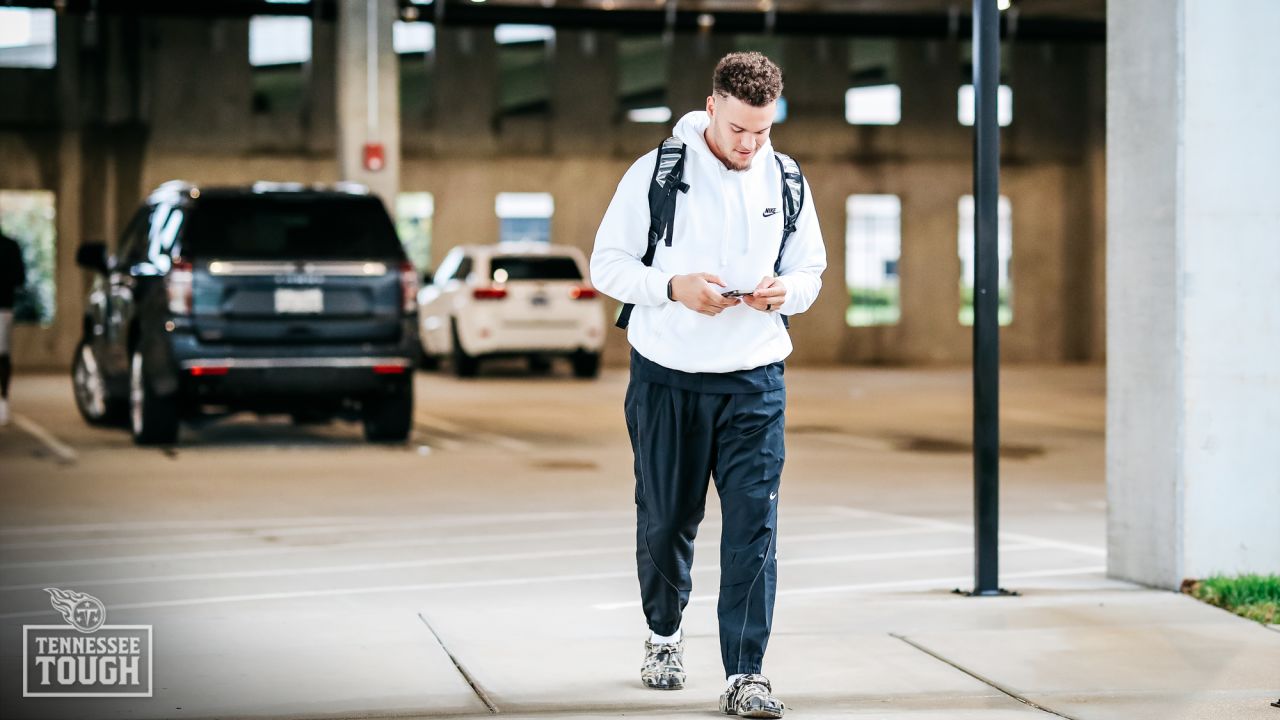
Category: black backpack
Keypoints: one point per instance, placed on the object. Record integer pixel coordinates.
(668, 172)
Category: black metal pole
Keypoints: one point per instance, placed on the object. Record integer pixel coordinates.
(986, 299)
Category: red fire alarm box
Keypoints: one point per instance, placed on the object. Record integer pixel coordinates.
(374, 157)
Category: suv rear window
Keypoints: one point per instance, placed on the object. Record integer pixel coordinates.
(535, 267)
(276, 226)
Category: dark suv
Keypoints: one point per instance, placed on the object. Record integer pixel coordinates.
(270, 298)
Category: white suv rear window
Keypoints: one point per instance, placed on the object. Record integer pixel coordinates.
(534, 267)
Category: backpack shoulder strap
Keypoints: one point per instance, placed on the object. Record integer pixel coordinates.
(792, 203)
(668, 178)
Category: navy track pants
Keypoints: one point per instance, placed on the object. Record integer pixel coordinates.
(681, 438)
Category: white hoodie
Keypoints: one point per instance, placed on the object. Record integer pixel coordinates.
(729, 224)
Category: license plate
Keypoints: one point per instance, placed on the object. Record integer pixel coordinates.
(538, 300)
(310, 300)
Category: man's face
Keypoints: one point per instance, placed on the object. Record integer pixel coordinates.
(738, 129)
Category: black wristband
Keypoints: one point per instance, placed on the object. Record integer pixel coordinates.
(669, 290)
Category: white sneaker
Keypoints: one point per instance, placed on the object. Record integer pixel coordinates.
(4, 411)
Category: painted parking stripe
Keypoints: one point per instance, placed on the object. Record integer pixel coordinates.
(457, 430)
(500, 557)
(931, 522)
(251, 533)
(928, 583)
(388, 544)
(307, 521)
(495, 582)
(62, 450)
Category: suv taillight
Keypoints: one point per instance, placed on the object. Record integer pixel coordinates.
(178, 286)
(408, 287)
(489, 293)
(582, 293)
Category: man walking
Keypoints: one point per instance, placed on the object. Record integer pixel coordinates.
(13, 275)
(710, 286)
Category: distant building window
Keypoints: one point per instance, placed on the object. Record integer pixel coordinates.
(649, 115)
(873, 246)
(1004, 105)
(873, 96)
(413, 37)
(1004, 254)
(524, 217)
(642, 79)
(27, 38)
(279, 48)
(873, 105)
(523, 34)
(414, 212)
(28, 217)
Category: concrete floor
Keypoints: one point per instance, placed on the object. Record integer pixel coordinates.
(488, 565)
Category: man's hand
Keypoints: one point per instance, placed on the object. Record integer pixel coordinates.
(768, 295)
(697, 292)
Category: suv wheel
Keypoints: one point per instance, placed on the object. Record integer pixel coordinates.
(429, 362)
(93, 400)
(153, 419)
(586, 364)
(464, 365)
(389, 416)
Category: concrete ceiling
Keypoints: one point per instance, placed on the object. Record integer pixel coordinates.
(1093, 10)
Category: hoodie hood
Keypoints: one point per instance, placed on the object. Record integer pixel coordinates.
(691, 129)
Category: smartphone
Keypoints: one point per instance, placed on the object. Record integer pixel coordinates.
(736, 293)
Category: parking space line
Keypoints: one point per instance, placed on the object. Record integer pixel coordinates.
(323, 570)
(176, 524)
(501, 557)
(341, 592)
(361, 545)
(259, 533)
(308, 521)
(457, 430)
(493, 582)
(433, 440)
(63, 451)
(945, 524)
(381, 544)
(939, 582)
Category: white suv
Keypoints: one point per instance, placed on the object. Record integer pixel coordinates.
(508, 299)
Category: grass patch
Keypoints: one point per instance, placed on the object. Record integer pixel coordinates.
(1256, 597)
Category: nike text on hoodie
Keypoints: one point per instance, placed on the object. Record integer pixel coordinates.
(729, 224)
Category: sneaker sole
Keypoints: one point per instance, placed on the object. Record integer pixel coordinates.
(761, 714)
(663, 687)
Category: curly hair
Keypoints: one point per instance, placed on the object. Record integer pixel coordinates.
(749, 76)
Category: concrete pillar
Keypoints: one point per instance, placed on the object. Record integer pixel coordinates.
(465, 104)
(1193, 287)
(318, 120)
(584, 90)
(929, 73)
(691, 61)
(368, 95)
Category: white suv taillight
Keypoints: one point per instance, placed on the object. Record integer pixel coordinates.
(178, 285)
(408, 287)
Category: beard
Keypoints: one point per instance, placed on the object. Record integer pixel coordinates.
(732, 159)
(735, 161)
